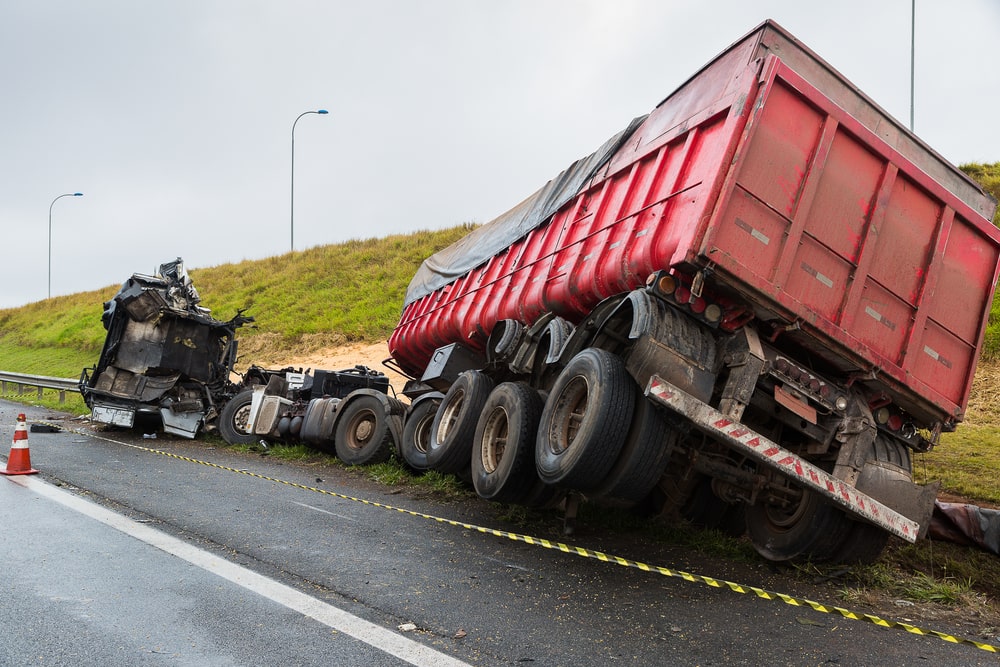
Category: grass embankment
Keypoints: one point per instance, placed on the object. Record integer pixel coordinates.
(304, 301)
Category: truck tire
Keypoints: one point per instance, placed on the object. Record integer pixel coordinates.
(503, 449)
(650, 441)
(449, 449)
(707, 510)
(864, 542)
(417, 434)
(585, 421)
(234, 419)
(807, 527)
(362, 434)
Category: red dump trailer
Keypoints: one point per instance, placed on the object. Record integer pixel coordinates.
(747, 308)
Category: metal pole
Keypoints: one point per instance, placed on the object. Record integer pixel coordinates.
(292, 221)
(913, 44)
(68, 194)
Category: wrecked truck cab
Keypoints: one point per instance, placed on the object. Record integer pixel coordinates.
(165, 357)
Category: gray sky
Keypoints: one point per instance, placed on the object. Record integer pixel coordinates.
(174, 118)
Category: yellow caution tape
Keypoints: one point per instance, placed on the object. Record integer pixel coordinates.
(590, 553)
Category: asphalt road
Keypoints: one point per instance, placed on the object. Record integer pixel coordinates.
(193, 555)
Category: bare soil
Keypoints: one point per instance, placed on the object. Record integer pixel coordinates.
(344, 356)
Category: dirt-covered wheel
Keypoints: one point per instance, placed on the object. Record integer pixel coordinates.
(503, 450)
(707, 510)
(234, 420)
(815, 528)
(417, 433)
(585, 421)
(887, 461)
(362, 434)
(802, 524)
(449, 449)
(650, 441)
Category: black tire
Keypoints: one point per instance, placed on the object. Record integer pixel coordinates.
(397, 410)
(503, 449)
(234, 419)
(417, 434)
(864, 542)
(648, 446)
(805, 528)
(543, 496)
(362, 434)
(585, 421)
(450, 446)
(706, 510)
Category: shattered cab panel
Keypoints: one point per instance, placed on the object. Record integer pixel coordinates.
(164, 355)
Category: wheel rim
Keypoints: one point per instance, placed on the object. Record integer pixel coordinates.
(494, 442)
(573, 408)
(450, 416)
(241, 419)
(361, 430)
(422, 433)
(785, 518)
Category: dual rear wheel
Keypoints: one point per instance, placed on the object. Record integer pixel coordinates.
(807, 526)
(594, 433)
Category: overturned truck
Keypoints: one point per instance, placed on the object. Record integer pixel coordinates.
(167, 363)
(749, 308)
(165, 359)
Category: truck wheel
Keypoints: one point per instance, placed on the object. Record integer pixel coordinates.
(706, 510)
(585, 421)
(417, 434)
(503, 449)
(450, 446)
(864, 542)
(543, 496)
(234, 420)
(786, 532)
(362, 434)
(650, 441)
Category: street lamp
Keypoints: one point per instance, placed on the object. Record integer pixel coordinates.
(292, 226)
(68, 194)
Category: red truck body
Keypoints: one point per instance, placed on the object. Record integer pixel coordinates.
(800, 196)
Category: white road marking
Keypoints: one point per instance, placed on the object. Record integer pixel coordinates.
(376, 636)
(323, 511)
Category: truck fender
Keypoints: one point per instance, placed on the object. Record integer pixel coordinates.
(552, 341)
(504, 340)
(430, 396)
(662, 340)
(541, 348)
(584, 334)
(394, 410)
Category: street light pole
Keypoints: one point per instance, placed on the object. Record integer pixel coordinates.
(292, 224)
(68, 194)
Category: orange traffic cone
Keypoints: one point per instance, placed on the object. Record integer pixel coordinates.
(19, 461)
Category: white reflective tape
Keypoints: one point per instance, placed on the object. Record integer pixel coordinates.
(766, 451)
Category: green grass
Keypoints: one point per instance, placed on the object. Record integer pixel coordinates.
(319, 297)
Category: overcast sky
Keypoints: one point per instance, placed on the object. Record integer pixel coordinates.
(174, 118)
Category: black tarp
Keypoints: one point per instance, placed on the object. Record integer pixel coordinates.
(484, 242)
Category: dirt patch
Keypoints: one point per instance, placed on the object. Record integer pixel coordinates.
(344, 356)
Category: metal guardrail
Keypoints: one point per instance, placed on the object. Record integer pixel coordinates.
(42, 382)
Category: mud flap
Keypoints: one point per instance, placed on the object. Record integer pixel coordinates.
(913, 501)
